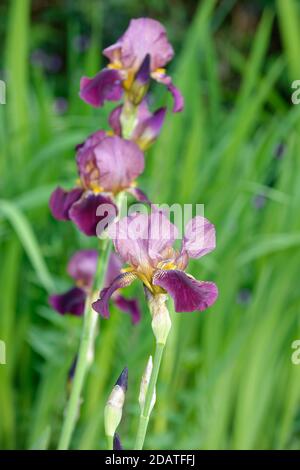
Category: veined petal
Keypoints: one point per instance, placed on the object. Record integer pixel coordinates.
(82, 266)
(71, 302)
(105, 86)
(119, 161)
(130, 306)
(84, 212)
(188, 293)
(199, 238)
(101, 305)
(140, 239)
(143, 36)
(61, 201)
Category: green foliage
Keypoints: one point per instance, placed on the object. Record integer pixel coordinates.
(227, 380)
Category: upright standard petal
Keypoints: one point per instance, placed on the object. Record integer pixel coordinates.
(88, 171)
(105, 86)
(143, 36)
(199, 238)
(84, 213)
(82, 267)
(140, 238)
(101, 305)
(119, 162)
(61, 201)
(188, 293)
(71, 302)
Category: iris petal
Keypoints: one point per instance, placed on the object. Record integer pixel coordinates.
(84, 212)
(71, 302)
(82, 266)
(188, 293)
(105, 86)
(101, 305)
(199, 238)
(61, 201)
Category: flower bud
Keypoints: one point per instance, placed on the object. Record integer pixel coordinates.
(141, 82)
(145, 384)
(161, 321)
(114, 405)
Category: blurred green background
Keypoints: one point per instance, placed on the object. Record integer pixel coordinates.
(227, 380)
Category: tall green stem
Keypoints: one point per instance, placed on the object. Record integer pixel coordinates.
(145, 414)
(86, 345)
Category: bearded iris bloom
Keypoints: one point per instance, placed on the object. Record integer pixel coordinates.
(146, 244)
(82, 268)
(106, 166)
(139, 55)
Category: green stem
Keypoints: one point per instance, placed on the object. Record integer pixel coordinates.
(86, 344)
(145, 414)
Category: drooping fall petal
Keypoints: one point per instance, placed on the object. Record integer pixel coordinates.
(101, 305)
(71, 301)
(84, 213)
(188, 293)
(105, 86)
(61, 201)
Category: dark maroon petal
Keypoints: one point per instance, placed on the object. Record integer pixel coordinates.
(82, 266)
(101, 305)
(188, 293)
(130, 306)
(114, 120)
(105, 86)
(61, 201)
(83, 213)
(71, 301)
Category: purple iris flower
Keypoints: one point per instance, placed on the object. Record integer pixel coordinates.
(106, 166)
(82, 268)
(147, 128)
(146, 243)
(139, 55)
